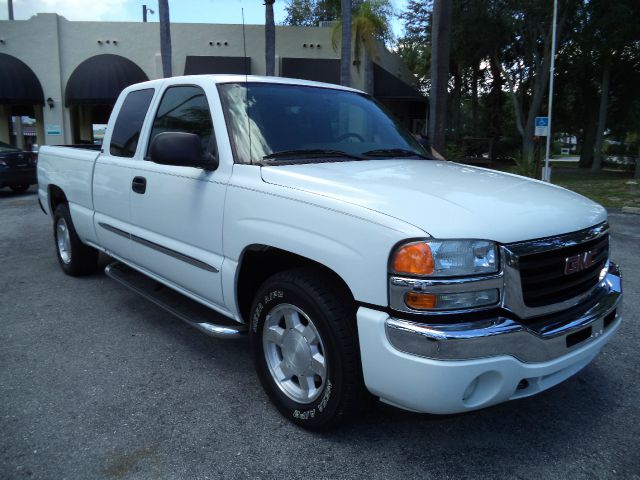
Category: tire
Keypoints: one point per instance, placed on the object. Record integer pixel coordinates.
(75, 258)
(19, 188)
(287, 359)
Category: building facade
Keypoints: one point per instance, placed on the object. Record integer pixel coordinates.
(67, 75)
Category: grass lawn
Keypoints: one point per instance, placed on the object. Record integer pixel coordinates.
(607, 187)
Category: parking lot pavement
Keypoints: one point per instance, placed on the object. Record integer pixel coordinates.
(95, 382)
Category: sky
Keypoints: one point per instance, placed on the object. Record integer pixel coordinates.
(189, 11)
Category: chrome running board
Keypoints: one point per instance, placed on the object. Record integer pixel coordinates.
(187, 310)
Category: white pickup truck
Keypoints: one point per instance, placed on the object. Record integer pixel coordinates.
(302, 214)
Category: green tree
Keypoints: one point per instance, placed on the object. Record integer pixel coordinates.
(415, 45)
(301, 13)
(369, 25)
(500, 50)
(310, 13)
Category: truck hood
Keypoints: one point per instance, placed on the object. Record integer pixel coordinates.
(446, 200)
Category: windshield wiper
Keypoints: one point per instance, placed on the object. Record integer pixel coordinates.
(318, 152)
(394, 152)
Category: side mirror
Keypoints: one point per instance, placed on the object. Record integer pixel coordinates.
(180, 149)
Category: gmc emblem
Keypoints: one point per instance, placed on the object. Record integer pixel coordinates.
(577, 263)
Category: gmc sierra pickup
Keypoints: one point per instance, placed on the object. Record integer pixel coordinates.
(302, 214)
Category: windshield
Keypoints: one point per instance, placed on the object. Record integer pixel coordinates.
(280, 123)
(5, 148)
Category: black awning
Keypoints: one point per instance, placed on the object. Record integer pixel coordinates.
(100, 79)
(387, 86)
(317, 69)
(18, 84)
(198, 65)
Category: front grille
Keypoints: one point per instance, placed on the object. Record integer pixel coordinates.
(543, 277)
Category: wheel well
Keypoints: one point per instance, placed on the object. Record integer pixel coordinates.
(259, 262)
(56, 197)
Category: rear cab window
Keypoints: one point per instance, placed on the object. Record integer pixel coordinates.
(126, 132)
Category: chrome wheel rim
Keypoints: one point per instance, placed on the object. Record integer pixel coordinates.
(63, 240)
(295, 353)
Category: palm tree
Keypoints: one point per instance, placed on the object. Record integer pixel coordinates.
(345, 51)
(165, 37)
(269, 38)
(368, 27)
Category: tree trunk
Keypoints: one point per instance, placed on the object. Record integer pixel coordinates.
(457, 104)
(345, 48)
(528, 145)
(495, 122)
(588, 139)
(269, 38)
(165, 37)
(602, 115)
(474, 101)
(440, 43)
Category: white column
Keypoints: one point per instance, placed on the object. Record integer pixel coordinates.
(4, 124)
(17, 129)
(84, 117)
(37, 114)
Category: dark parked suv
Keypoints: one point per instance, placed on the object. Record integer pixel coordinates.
(17, 168)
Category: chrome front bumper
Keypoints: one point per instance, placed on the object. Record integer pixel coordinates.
(538, 340)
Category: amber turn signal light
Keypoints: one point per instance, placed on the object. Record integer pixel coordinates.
(414, 259)
(420, 301)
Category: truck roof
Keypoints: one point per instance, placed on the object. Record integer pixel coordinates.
(233, 78)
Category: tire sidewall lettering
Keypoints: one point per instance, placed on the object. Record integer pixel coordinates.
(265, 303)
(266, 299)
(308, 414)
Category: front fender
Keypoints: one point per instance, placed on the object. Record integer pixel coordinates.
(352, 241)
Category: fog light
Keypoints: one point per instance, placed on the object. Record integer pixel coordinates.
(420, 301)
(452, 301)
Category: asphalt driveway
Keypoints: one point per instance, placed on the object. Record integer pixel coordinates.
(96, 382)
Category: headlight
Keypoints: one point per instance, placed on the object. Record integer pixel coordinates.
(446, 258)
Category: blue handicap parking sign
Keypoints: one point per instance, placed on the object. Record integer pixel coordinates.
(542, 121)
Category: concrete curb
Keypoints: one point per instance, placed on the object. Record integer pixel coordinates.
(633, 210)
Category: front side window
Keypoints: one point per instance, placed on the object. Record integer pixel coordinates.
(279, 122)
(126, 131)
(184, 109)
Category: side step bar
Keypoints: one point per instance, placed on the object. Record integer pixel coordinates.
(187, 310)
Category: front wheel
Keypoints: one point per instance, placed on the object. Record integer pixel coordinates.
(304, 344)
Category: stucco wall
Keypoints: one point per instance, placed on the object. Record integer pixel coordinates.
(53, 47)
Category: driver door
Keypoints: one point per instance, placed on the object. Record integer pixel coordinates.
(177, 211)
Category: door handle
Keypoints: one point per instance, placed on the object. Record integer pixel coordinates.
(139, 185)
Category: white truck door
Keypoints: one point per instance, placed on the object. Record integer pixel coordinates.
(177, 219)
(112, 175)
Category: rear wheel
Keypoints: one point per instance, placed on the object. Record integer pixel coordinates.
(75, 257)
(19, 188)
(304, 343)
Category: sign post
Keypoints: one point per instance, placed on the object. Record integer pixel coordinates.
(546, 173)
(542, 130)
(542, 126)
